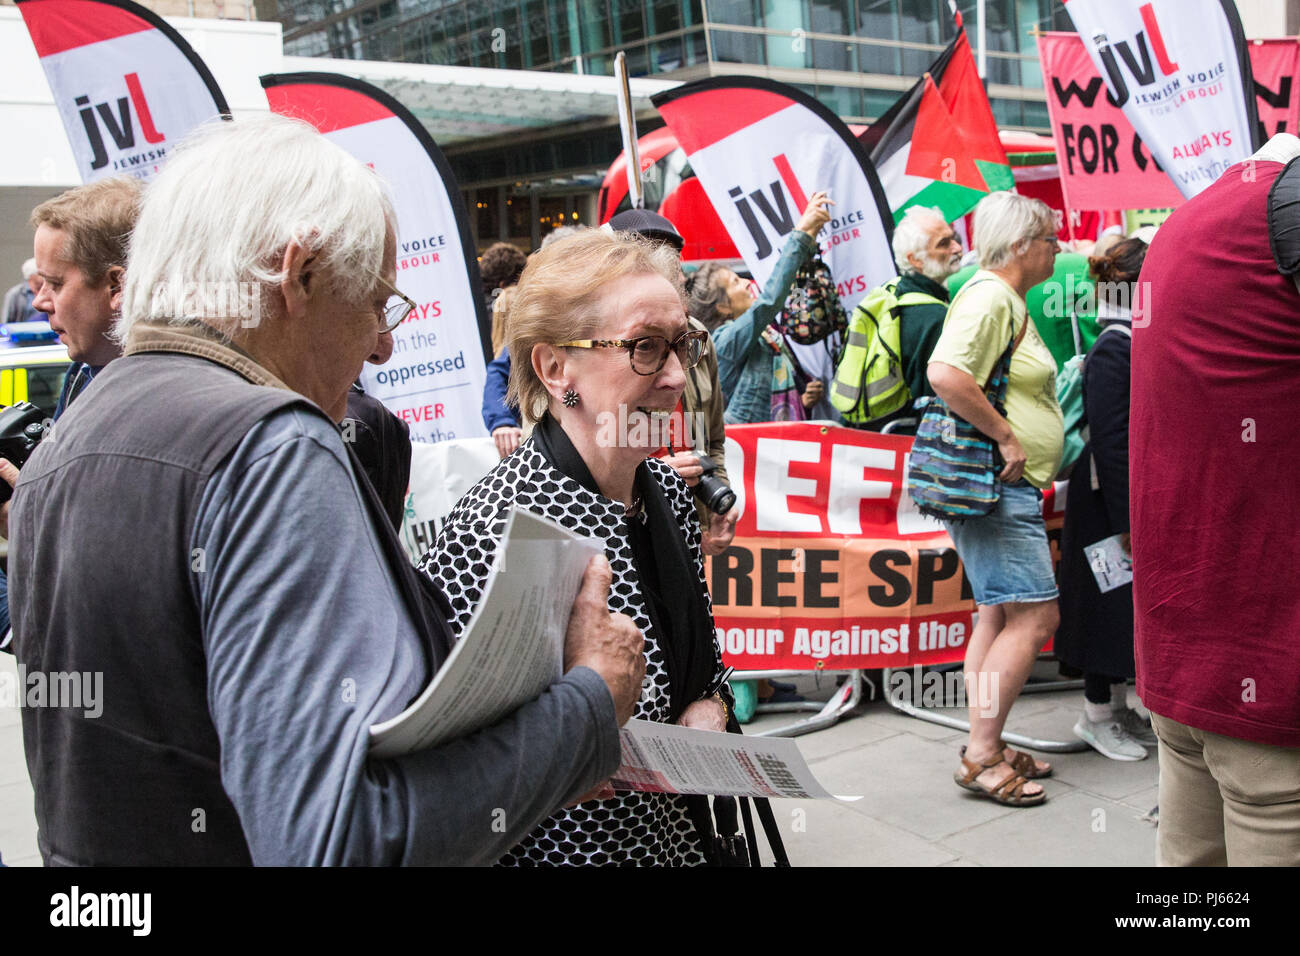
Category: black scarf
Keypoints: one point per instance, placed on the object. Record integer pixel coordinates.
(674, 598)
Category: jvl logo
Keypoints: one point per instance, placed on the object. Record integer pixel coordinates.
(779, 213)
(120, 128)
(1144, 71)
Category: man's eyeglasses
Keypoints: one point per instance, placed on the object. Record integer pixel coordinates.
(649, 353)
(396, 309)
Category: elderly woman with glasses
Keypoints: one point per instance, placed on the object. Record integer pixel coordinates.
(1005, 553)
(599, 332)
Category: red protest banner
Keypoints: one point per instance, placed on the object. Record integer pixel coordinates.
(1276, 65)
(1104, 163)
(832, 567)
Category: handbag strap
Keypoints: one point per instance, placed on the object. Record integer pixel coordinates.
(765, 816)
(1004, 363)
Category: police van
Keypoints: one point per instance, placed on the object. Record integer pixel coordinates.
(33, 374)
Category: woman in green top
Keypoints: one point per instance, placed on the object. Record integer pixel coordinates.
(1005, 553)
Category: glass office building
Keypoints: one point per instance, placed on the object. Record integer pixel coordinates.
(857, 56)
(854, 55)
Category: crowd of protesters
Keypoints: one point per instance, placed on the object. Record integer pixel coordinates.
(222, 439)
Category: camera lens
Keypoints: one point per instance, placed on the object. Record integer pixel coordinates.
(716, 494)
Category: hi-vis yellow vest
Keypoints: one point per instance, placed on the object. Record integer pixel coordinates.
(869, 381)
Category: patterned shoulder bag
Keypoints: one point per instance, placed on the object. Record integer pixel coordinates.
(813, 311)
(953, 471)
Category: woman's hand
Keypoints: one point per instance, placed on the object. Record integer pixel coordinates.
(965, 397)
(507, 438)
(10, 475)
(722, 528)
(687, 465)
(813, 393)
(1014, 456)
(704, 714)
(817, 214)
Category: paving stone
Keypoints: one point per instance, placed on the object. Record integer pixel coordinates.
(1116, 779)
(17, 822)
(1143, 800)
(834, 835)
(1062, 832)
(9, 716)
(13, 763)
(907, 783)
(881, 714)
(847, 734)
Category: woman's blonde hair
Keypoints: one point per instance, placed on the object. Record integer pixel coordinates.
(556, 297)
(500, 311)
(1006, 220)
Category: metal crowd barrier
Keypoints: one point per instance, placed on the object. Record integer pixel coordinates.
(845, 698)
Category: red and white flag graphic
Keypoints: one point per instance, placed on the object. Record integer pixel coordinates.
(126, 84)
(434, 381)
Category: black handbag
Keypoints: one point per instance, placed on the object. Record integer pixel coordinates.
(719, 832)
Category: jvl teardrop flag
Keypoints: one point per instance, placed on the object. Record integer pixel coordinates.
(1181, 72)
(938, 144)
(127, 86)
(434, 381)
(760, 149)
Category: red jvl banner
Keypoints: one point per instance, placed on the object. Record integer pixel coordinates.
(1276, 65)
(1104, 163)
(832, 566)
(760, 149)
(1180, 71)
(434, 381)
(127, 86)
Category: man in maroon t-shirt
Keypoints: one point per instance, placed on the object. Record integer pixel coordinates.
(1215, 505)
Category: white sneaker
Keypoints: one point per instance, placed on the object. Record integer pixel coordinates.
(1110, 739)
(1137, 727)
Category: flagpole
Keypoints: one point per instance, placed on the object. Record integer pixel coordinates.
(627, 124)
(980, 10)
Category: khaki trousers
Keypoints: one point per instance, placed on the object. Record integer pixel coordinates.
(1225, 801)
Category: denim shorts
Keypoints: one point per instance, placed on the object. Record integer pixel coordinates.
(1005, 553)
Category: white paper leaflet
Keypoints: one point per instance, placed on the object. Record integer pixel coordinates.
(664, 758)
(513, 647)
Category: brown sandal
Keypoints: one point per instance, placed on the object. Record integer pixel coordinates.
(1023, 764)
(1010, 792)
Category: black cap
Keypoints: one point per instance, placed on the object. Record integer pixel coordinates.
(648, 224)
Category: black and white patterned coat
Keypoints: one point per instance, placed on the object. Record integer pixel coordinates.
(639, 828)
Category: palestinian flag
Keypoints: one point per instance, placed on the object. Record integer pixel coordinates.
(938, 145)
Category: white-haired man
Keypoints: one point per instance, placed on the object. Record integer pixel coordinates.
(906, 315)
(927, 251)
(17, 305)
(249, 607)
